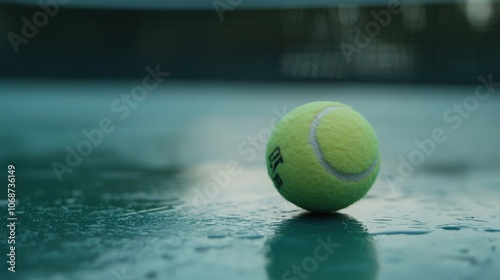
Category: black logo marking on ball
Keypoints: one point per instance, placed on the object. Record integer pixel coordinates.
(275, 159)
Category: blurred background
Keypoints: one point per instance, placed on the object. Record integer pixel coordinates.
(137, 132)
(420, 41)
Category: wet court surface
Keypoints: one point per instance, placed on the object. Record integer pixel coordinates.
(179, 190)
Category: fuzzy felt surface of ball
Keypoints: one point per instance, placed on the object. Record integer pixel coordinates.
(323, 156)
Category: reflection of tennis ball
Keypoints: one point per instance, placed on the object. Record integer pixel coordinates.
(312, 246)
(323, 156)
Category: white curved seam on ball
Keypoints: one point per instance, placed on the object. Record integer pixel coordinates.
(313, 140)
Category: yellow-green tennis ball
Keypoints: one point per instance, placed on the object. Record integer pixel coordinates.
(323, 156)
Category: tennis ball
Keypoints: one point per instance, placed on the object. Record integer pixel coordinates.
(323, 156)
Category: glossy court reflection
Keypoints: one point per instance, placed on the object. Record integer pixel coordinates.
(311, 246)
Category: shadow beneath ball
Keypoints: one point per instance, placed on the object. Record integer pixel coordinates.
(321, 246)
